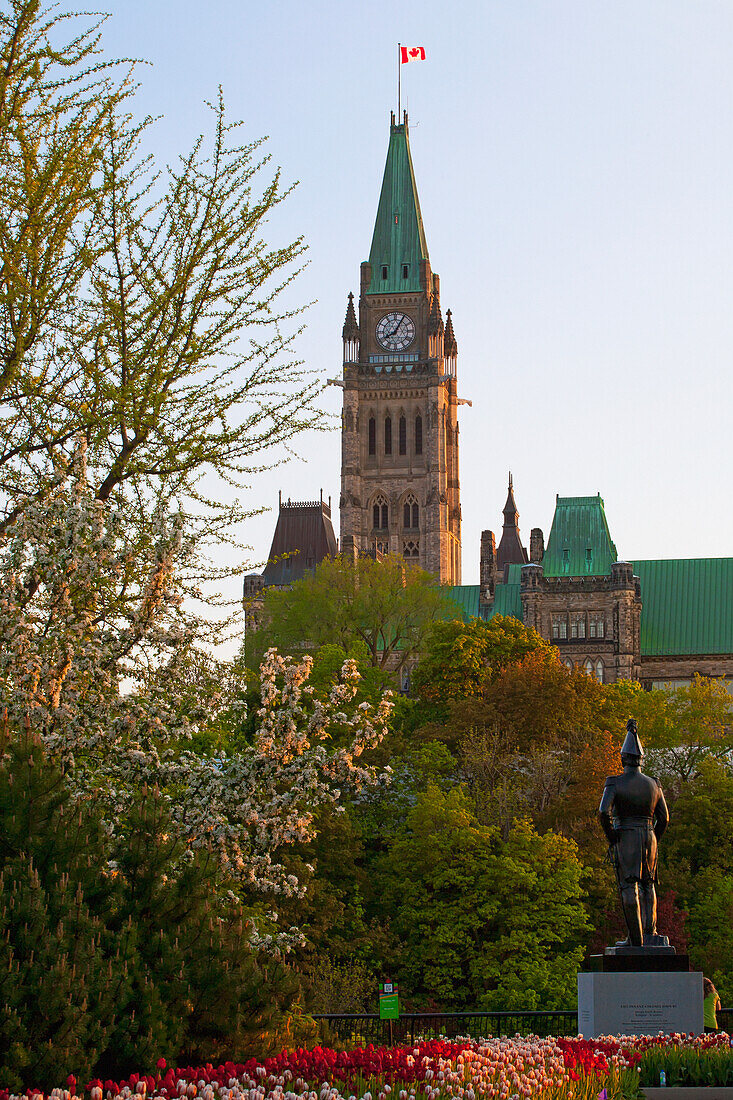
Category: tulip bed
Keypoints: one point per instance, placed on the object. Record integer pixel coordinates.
(436, 1069)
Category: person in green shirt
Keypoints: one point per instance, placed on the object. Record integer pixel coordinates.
(711, 1004)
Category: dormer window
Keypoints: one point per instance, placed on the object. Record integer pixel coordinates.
(405, 271)
(385, 271)
(566, 560)
(588, 558)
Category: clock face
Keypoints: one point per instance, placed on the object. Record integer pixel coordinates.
(396, 331)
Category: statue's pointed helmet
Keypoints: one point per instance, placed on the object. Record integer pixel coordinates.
(632, 745)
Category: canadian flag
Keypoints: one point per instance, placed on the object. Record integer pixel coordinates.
(412, 53)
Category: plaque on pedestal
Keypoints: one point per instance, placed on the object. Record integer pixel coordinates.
(639, 1003)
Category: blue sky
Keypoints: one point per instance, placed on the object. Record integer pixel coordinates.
(573, 160)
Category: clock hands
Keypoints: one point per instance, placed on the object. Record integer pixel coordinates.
(395, 331)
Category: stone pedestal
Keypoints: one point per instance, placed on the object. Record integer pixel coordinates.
(639, 1003)
(638, 959)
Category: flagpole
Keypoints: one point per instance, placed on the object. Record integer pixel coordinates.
(399, 81)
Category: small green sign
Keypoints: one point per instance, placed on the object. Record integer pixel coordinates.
(389, 1008)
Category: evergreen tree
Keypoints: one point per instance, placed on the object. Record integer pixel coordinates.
(115, 951)
(62, 970)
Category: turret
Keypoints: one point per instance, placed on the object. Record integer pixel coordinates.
(435, 323)
(351, 334)
(450, 346)
(487, 566)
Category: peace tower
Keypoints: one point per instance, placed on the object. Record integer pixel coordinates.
(400, 491)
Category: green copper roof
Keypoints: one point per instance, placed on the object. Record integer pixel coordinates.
(580, 543)
(466, 596)
(507, 600)
(399, 237)
(687, 606)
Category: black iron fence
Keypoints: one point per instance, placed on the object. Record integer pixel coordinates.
(359, 1029)
(363, 1028)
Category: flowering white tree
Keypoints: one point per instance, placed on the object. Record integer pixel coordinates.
(95, 653)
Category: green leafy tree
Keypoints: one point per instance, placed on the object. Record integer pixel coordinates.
(697, 864)
(340, 961)
(711, 929)
(138, 303)
(685, 726)
(700, 835)
(386, 606)
(55, 106)
(458, 659)
(482, 921)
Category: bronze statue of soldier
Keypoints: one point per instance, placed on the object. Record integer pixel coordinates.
(634, 816)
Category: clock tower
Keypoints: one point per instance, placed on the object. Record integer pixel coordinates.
(400, 492)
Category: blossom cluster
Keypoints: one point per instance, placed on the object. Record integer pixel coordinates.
(437, 1069)
(99, 665)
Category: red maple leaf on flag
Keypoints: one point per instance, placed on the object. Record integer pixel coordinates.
(412, 53)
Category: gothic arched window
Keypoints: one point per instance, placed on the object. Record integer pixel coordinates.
(372, 435)
(388, 435)
(588, 666)
(411, 512)
(599, 670)
(380, 513)
(403, 435)
(418, 434)
(411, 550)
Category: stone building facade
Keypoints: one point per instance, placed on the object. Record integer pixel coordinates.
(660, 622)
(400, 491)
(595, 622)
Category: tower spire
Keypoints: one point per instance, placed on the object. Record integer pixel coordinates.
(398, 243)
(510, 551)
(511, 515)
